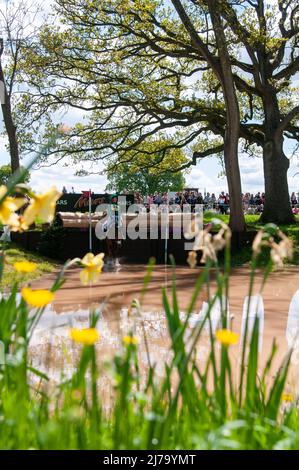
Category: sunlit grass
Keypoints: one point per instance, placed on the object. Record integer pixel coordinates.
(242, 255)
(13, 254)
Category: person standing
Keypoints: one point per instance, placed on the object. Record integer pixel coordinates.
(207, 201)
(222, 202)
(293, 200)
(213, 201)
(246, 198)
(199, 199)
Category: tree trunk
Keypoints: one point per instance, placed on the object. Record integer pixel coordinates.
(277, 207)
(237, 220)
(8, 120)
(221, 66)
(232, 131)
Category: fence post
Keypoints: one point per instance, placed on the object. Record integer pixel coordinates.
(90, 224)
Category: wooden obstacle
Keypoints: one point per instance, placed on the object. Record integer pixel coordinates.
(145, 220)
(79, 220)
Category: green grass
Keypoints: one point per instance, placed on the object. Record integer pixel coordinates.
(209, 407)
(252, 221)
(242, 256)
(15, 253)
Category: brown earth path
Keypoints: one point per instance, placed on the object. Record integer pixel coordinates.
(118, 289)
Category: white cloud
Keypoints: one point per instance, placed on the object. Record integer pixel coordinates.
(64, 176)
(4, 157)
(204, 176)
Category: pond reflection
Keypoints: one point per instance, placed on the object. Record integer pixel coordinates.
(52, 351)
(253, 308)
(292, 331)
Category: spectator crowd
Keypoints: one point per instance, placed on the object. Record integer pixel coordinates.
(252, 204)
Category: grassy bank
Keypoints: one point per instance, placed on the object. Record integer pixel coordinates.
(243, 255)
(240, 256)
(13, 254)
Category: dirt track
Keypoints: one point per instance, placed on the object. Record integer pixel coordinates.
(123, 286)
(117, 289)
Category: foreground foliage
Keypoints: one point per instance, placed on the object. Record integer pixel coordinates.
(242, 255)
(202, 404)
(195, 406)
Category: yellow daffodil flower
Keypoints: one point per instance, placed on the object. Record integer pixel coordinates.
(37, 298)
(25, 267)
(227, 337)
(192, 259)
(9, 206)
(17, 224)
(87, 336)
(287, 397)
(42, 206)
(127, 340)
(93, 266)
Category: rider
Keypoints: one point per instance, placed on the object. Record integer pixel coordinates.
(114, 227)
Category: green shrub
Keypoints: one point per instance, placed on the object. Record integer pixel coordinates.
(52, 242)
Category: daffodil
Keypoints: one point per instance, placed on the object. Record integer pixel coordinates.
(37, 298)
(9, 206)
(192, 259)
(259, 242)
(25, 267)
(127, 340)
(92, 267)
(282, 250)
(287, 397)
(279, 250)
(42, 206)
(17, 224)
(195, 227)
(205, 242)
(86, 336)
(227, 337)
(223, 237)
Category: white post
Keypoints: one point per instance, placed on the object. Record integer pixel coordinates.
(166, 231)
(90, 224)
